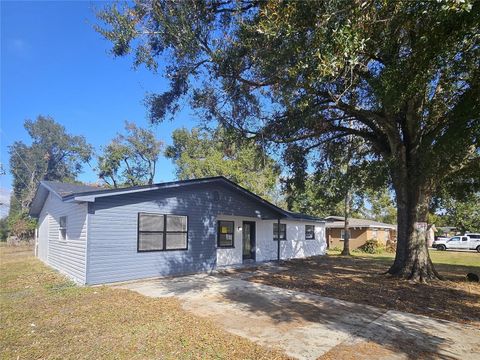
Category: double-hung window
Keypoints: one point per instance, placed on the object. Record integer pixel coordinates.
(62, 227)
(283, 231)
(158, 232)
(309, 232)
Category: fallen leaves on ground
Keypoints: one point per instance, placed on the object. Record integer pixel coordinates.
(362, 280)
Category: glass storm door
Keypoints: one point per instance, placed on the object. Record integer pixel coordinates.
(248, 235)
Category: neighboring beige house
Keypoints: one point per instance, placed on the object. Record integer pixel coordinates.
(361, 230)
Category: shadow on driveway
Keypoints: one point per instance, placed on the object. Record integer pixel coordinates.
(307, 326)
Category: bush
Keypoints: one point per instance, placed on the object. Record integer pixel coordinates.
(372, 246)
(21, 226)
(335, 248)
(391, 246)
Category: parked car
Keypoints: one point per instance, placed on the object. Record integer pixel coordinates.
(469, 241)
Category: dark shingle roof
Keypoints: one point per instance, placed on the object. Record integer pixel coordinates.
(66, 189)
(70, 191)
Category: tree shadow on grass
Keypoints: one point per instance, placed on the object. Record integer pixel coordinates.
(394, 332)
(361, 281)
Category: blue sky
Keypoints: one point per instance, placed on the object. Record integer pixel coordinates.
(53, 63)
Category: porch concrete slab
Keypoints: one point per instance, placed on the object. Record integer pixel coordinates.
(307, 326)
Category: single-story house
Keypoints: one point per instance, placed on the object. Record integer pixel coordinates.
(97, 236)
(360, 230)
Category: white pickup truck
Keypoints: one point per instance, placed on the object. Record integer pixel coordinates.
(469, 241)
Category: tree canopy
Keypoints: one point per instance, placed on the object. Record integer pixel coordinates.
(53, 155)
(403, 76)
(130, 159)
(202, 153)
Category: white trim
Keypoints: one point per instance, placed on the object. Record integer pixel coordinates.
(87, 218)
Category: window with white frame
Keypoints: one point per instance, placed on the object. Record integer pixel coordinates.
(62, 227)
(159, 232)
(310, 232)
(375, 234)
(283, 231)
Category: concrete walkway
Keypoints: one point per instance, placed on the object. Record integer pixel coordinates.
(307, 326)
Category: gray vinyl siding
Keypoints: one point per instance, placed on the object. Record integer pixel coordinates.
(68, 256)
(112, 248)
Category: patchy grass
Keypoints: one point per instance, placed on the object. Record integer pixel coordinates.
(43, 315)
(462, 258)
(361, 279)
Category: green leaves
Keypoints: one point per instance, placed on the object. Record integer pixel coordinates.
(53, 155)
(130, 159)
(400, 77)
(201, 153)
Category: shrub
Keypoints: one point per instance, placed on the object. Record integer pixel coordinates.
(391, 246)
(372, 246)
(22, 226)
(335, 248)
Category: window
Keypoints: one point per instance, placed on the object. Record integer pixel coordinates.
(157, 232)
(474, 236)
(62, 227)
(375, 234)
(342, 234)
(464, 238)
(456, 238)
(225, 233)
(310, 232)
(283, 231)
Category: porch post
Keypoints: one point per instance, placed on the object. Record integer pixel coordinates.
(278, 239)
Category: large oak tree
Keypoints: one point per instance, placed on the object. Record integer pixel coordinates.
(401, 75)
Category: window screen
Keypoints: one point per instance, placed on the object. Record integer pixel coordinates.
(309, 232)
(158, 232)
(176, 232)
(283, 231)
(225, 233)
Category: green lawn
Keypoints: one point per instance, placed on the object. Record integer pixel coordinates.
(463, 258)
(45, 316)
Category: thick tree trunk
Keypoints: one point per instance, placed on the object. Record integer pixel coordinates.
(346, 238)
(412, 259)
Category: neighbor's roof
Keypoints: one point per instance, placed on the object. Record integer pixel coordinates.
(75, 192)
(339, 222)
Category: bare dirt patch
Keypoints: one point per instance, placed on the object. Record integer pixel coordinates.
(361, 280)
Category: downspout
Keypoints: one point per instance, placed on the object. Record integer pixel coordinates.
(278, 239)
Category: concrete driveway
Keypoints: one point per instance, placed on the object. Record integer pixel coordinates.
(307, 326)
